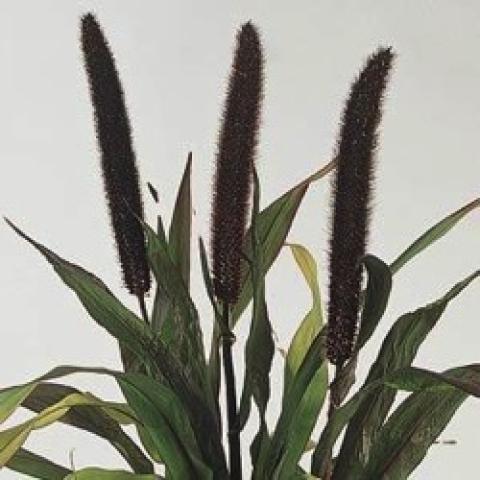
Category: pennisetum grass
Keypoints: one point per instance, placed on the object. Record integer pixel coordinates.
(231, 194)
(352, 186)
(120, 174)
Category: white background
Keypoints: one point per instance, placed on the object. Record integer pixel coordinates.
(174, 58)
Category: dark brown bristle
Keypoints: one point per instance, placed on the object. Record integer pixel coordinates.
(120, 175)
(234, 162)
(352, 187)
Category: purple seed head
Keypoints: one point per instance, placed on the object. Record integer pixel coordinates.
(351, 188)
(234, 163)
(120, 174)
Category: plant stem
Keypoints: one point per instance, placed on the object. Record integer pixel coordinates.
(331, 410)
(235, 458)
(143, 307)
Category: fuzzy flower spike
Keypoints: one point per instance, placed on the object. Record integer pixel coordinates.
(120, 175)
(231, 194)
(234, 163)
(352, 187)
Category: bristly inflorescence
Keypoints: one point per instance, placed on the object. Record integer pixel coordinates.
(120, 175)
(352, 187)
(235, 161)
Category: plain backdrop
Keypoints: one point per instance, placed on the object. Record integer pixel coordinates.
(174, 58)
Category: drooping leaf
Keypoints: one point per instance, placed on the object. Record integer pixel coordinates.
(159, 410)
(377, 293)
(273, 225)
(432, 235)
(409, 378)
(100, 303)
(374, 298)
(11, 398)
(92, 473)
(36, 466)
(313, 321)
(413, 427)
(12, 439)
(188, 379)
(91, 419)
(398, 351)
(179, 236)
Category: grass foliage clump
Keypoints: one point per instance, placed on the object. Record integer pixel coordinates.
(171, 385)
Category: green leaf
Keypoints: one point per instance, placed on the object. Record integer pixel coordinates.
(179, 236)
(311, 399)
(11, 398)
(13, 438)
(413, 427)
(36, 466)
(409, 378)
(398, 351)
(374, 300)
(187, 379)
(162, 305)
(91, 419)
(273, 225)
(303, 423)
(181, 329)
(100, 303)
(432, 235)
(213, 367)
(167, 425)
(160, 412)
(377, 294)
(313, 321)
(260, 348)
(285, 444)
(101, 474)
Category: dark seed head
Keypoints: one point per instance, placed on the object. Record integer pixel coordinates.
(352, 187)
(119, 170)
(234, 162)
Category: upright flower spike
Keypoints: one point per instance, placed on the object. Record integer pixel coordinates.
(352, 187)
(234, 163)
(120, 175)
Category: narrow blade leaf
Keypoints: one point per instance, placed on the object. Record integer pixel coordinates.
(36, 466)
(181, 329)
(414, 426)
(432, 235)
(283, 450)
(273, 225)
(92, 473)
(179, 236)
(398, 351)
(313, 321)
(91, 419)
(260, 348)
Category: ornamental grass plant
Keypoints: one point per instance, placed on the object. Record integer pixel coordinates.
(171, 380)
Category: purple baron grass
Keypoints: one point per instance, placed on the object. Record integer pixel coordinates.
(120, 174)
(352, 187)
(234, 163)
